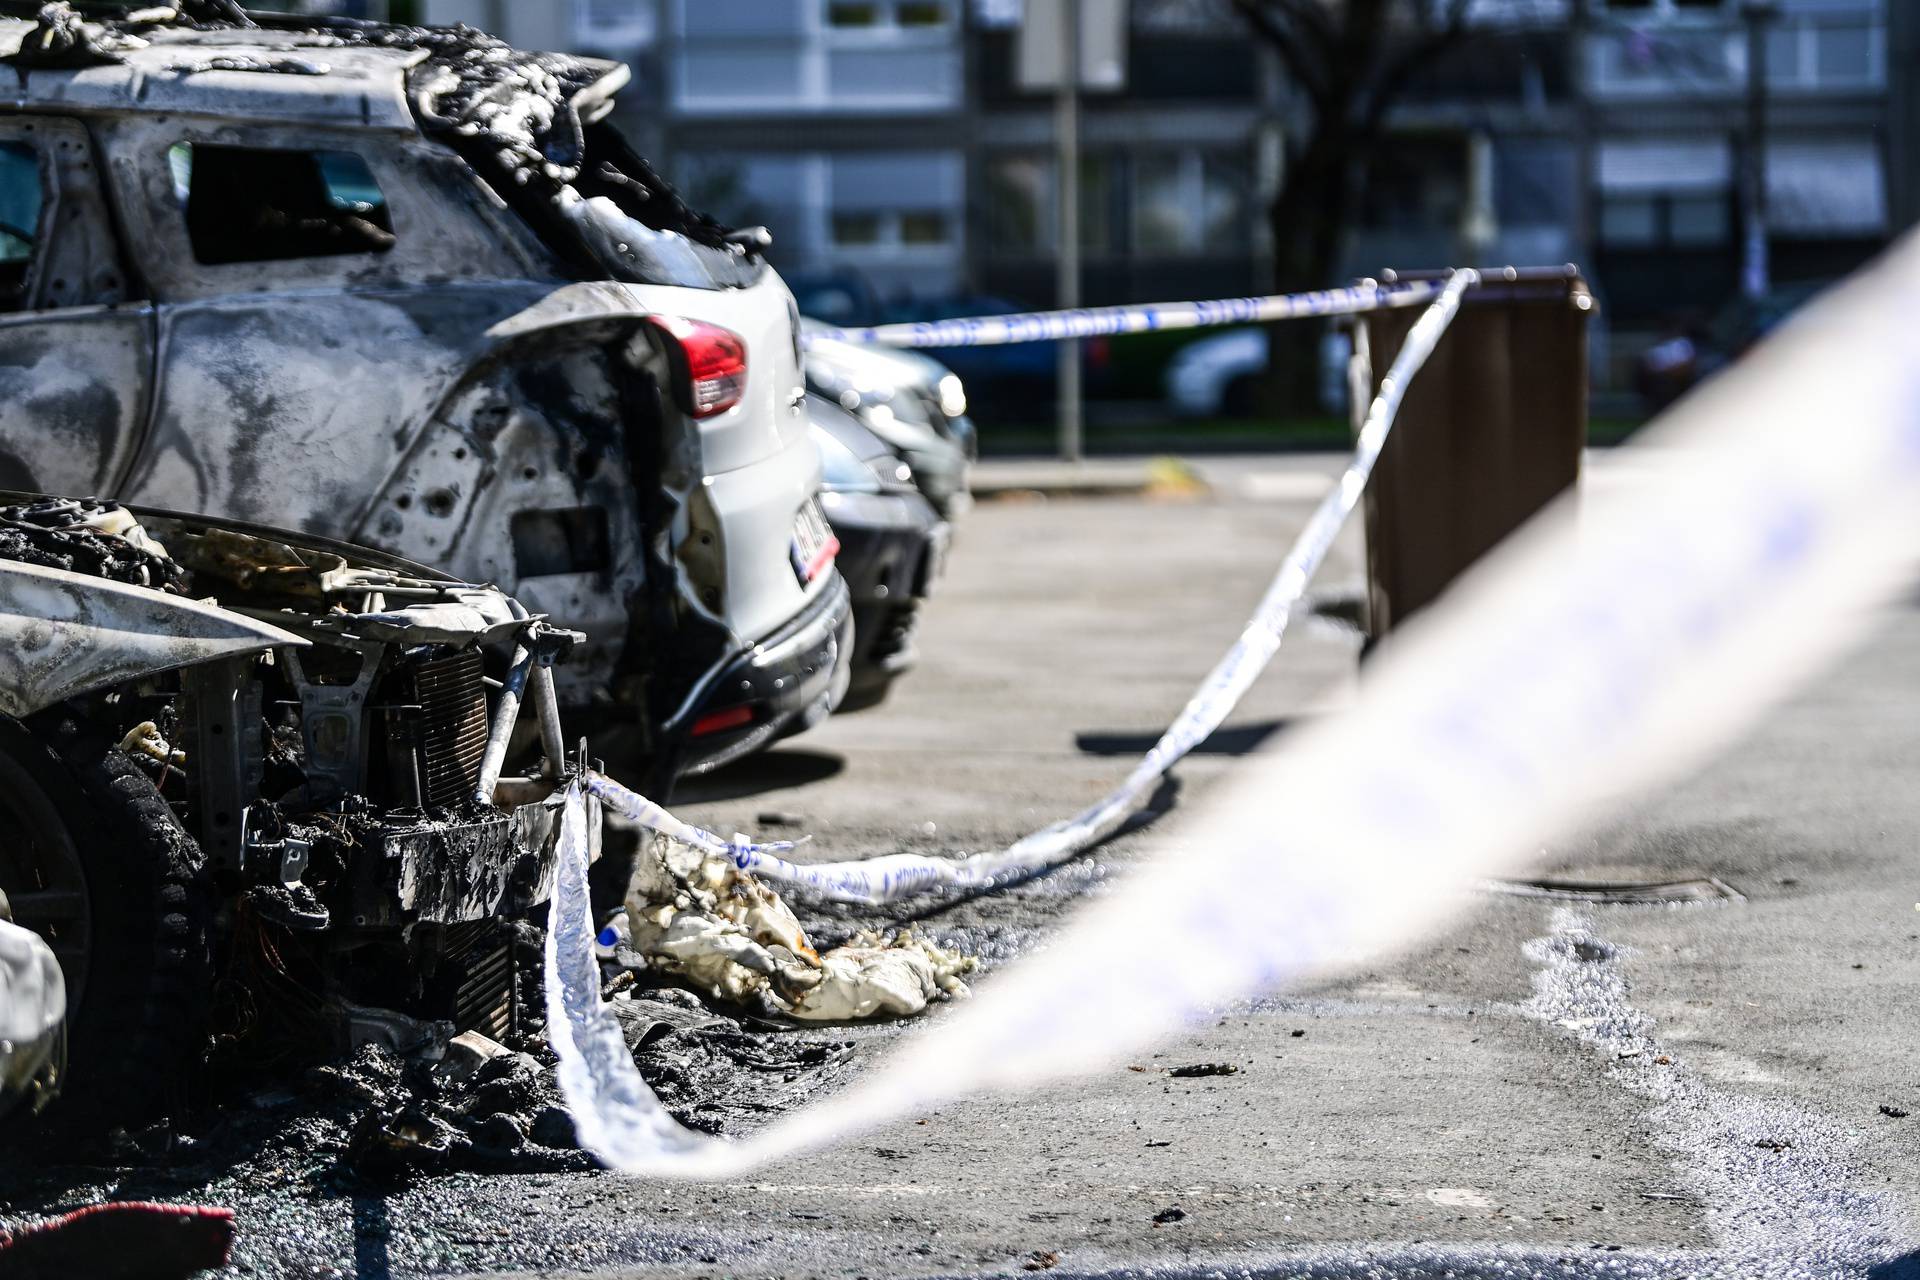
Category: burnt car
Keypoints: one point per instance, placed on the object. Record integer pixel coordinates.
(410, 288)
(910, 400)
(257, 789)
(893, 546)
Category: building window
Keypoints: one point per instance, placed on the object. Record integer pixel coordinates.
(1188, 202)
(1664, 7)
(615, 24)
(856, 230)
(1630, 222)
(869, 15)
(828, 55)
(906, 229)
(1020, 204)
(921, 13)
(924, 227)
(1698, 221)
(1666, 220)
(1671, 46)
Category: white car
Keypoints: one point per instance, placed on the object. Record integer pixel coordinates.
(1220, 376)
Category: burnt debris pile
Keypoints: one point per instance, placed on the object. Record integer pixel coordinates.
(467, 1104)
(94, 538)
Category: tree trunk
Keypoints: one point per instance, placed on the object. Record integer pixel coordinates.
(1307, 217)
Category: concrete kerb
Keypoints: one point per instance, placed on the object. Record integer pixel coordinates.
(1007, 479)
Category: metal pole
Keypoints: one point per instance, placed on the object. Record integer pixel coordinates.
(1754, 269)
(547, 702)
(506, 714)
(1066, 137)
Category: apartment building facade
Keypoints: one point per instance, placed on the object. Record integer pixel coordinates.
(1670, 115)
(888, 141)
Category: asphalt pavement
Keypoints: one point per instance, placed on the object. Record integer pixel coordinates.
(1551, 1087)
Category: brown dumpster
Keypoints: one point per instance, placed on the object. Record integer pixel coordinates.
(1491, 429)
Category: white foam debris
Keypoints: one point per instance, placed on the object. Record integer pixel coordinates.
(693, 914)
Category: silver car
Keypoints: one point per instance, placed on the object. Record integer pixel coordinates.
(408, 288)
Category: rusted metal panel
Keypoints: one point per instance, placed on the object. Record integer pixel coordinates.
(63, 634)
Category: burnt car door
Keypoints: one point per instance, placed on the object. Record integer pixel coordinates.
(76, 344)
(338, 353)
(313, 305)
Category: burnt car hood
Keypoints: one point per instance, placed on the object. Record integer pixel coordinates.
(71, 628)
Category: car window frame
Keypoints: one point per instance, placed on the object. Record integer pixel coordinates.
(78, 260)
(445, 227)
(195, 170)
(37, 247)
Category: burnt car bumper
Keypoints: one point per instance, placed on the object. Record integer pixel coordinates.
(893, 547)
(789, 681)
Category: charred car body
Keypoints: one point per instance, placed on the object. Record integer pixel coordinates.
(407, 288)
(253, 785)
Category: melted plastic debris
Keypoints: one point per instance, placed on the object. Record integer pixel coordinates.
(693, 914)
(146, 739)
(262, 66)
(33, 1008)
(62, 40)
(87, 536)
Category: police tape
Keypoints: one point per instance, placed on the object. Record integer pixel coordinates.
(1585, 659)
(1097, 322)
(873, 881)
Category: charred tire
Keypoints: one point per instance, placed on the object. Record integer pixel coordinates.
(97, 864)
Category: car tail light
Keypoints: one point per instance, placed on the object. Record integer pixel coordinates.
(716, 363)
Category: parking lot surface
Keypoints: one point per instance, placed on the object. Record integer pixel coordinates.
(1550, 1087)
(1466, 1106)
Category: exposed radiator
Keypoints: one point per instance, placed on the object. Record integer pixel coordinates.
(452, 695)
(473, 983)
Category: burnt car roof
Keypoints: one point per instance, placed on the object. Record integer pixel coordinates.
(313, 71)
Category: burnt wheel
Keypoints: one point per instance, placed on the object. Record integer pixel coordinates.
(93, 860)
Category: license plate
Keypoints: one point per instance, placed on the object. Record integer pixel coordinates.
(814, 545)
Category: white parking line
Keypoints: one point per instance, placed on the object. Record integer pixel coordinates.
(1284, 486)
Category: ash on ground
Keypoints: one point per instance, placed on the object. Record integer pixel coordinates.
(376, 1120)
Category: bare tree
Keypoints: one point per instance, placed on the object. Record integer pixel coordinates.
(1351, 61)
